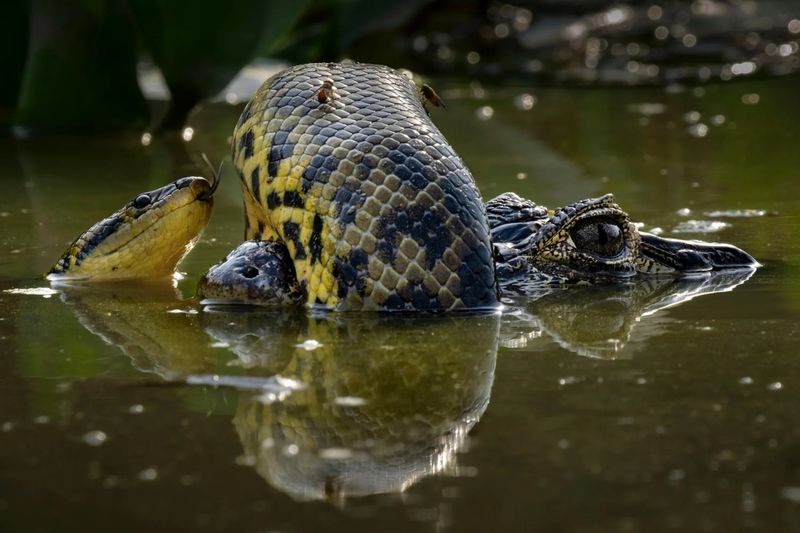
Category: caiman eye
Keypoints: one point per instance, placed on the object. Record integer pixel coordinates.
(601, 237)
(143, 200)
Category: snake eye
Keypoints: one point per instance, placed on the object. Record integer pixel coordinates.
(183, 182)
(601, 237)
(143, 200)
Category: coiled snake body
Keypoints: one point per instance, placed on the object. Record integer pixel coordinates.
(375, 207)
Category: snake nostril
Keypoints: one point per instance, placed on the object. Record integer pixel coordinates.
(183, 182)
(250, 272)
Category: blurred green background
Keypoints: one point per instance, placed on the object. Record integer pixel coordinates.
(78, 66)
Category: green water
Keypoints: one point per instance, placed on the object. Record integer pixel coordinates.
(659, 406)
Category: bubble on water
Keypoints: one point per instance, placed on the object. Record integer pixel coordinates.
(791, 493)
(136, 409)
(335, 454)
(187, 134)
(42, 419)
(6, 427)
(676, 475)
(563, 444)
(521, 176)
(524, 101)
(794, 26)
(698, 130)
(661, 33)
(718, 120)
(776, 386)
(473, 58)
(683, 212)
(219, 344)
(94, 438)
(691, 117)
(641, 381)
(689, 40)
(569, 380)
(111, 482)
(654, 12)
(647, 108)
(484, 112)
(350, 401)
(657, 230)
(291, 450)
(146, 139)
(246, 460)
(785, 50)
(309, 345)
(750, 98)
(746, 380)
(745, 68)
(148, 474)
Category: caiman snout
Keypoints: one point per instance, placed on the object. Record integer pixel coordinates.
(694, 256)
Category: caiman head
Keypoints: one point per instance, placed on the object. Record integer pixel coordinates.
(593, 240)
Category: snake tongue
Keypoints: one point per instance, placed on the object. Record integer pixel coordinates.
(217, 174)
(695, 256)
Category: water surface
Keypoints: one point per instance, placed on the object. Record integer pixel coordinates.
(649, 407)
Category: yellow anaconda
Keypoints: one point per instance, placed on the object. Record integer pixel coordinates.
(340, 162)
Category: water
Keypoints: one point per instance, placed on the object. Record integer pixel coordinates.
(652, 407)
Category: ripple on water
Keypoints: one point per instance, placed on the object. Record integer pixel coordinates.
(44, 292)
(737, 213)
(700, 226)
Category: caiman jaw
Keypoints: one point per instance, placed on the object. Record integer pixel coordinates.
(690, 256)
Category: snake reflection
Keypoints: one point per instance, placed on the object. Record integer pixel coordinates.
(374, 403)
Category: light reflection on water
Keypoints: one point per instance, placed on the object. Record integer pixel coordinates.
(671, 416)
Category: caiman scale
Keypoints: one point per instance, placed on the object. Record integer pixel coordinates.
(355, 200)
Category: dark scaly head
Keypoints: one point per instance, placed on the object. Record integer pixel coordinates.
(594, 240)
(146, 238)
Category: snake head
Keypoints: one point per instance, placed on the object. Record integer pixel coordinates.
(144, 239)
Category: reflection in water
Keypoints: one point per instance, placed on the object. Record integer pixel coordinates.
(341, 405)
(598, 320)
(387, 400)
(147, 321)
